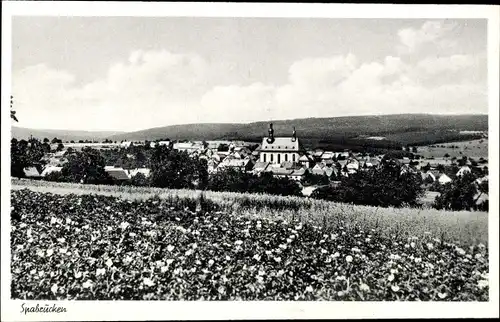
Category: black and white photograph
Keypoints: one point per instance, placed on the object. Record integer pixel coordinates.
(175, 159)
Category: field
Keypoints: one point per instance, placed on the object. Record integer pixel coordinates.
(475, 149)
(463, 227)
(108, 242)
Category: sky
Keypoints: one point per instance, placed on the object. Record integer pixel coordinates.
(133, 73)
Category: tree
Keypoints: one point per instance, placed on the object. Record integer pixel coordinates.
(223, 147)
(458, 194)
(311, 179)
(46, 140)
(12, 112)
(140, 180)
(86, 166)
(463, 161)
(427, 167)
(234, 180)
(140, 157)
(60, 147)
(414, 149)
(25, 154)
(173, 169)
(384, 186)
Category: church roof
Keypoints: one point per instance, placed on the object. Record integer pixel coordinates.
(281, 144)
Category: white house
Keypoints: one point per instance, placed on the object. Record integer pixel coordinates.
(31, 172)
(50, 169)
(463, 170)
(306, 160)
(145, 171)
(444, 179)
(125, 144)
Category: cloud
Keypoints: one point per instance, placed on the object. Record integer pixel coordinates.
(339, 85)
(158, 88)
(152, 88)
(237, 103)
(431, 32)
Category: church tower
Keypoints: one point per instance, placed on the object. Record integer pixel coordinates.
(270, 138)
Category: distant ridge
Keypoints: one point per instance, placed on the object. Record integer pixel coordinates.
(315, 128)
(308, 128)
(65, 135)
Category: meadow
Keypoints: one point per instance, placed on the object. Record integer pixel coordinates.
(475, 149)
(462, 227)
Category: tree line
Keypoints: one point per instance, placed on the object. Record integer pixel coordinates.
(386, 185)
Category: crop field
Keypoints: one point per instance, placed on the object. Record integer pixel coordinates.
(462, 227)
(475, 149)
(91, 246)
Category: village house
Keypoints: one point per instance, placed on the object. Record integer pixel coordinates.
(125, 144)
(463, 170)
(119, 174)
(299, 174)
(352, 165)
(343, 155)
(145, 171)
(245, 165)
(260, 167)
(318, 169)
(444, 179)
(428, 176)
(212, 165)
(327, 156)
(306, 161)
(31, 172)
(188, 147)
(281, 173)
(50, 169)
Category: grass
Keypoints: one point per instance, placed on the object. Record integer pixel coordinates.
(475, 149)
(461, 227)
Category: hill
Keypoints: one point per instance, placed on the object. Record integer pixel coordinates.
(316, 128)
(65, 135)
(333, 132)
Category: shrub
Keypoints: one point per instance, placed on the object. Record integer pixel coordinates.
(140, 180)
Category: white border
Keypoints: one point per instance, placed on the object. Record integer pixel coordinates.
(143, 310)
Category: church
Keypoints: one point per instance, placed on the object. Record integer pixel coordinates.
(276, 150)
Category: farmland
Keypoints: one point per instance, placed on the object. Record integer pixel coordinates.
(464, 227)
(92, 246)
(474, 149)
(74, 241)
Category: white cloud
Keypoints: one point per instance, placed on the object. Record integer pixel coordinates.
(237, 103)
(157, 88)
(437, 65)
(151, 89)
(430, 32)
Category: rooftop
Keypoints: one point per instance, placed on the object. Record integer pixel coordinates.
(281, 144)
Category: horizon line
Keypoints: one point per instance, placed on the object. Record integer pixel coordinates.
(244, 123)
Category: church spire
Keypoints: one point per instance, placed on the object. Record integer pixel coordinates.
(270, 139)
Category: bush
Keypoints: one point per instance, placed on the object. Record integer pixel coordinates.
(238, 181)
(140, 180)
